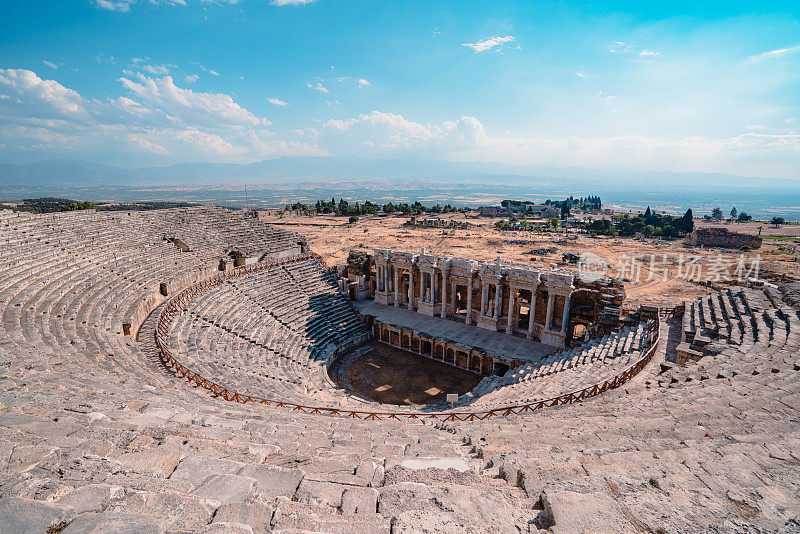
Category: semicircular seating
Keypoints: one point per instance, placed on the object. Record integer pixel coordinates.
(95, 436)
(269, 334)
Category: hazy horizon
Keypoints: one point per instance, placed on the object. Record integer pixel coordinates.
(613, 87)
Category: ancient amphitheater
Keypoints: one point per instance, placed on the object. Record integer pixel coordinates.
(168, 371)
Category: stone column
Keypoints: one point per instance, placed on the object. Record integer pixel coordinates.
(565, 320)
(411, 287)
(484, 297)
(531, 314)
(444, 295)
(511, 310)
(550, 298)
(429, 289)
(498, 299)
(469, 299)
(396, 288)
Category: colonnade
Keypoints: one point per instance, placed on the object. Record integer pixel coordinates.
(493, 295)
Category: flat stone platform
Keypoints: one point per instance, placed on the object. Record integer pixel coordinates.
(462, 334)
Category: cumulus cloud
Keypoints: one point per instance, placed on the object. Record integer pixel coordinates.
(490, 43)
(32, 96)
(277, 102)
(169, 123)
(385, 134)
(191, 78)
(363, 83)
(157, 118)
(210, 109)
(381, 132)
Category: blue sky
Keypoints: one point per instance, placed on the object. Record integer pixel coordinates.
(613, 85)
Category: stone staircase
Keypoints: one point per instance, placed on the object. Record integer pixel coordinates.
(96, 437)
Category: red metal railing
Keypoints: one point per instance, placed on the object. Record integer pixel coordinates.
(175, 304)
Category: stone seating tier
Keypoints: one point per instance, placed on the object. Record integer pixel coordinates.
(96, 437)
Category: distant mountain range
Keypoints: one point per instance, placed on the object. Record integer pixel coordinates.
(75, 173)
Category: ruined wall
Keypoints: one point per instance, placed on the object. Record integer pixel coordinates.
(721, 237)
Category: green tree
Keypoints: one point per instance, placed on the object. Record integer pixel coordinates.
(565, 209)
(744, 217)
(716, 214)
(777, 221)
(734, 213)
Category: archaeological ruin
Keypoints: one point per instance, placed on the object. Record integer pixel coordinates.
(724, 238)
(191, 370)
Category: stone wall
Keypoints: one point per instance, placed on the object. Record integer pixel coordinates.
(721, 237)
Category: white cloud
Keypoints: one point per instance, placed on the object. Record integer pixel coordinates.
(277, 102)
(379, 132)
(158, 70)
(122, 6)
(620, 47)
(363, 83)
(50, 64)
(488, 44)
(382, 134)
(102, 58)
(158, 118)
(204, 69)
(211, 109)
(172, 124)
(290, 2)
(317, 87)
(775, 53)
(191, 78)
(34, 97)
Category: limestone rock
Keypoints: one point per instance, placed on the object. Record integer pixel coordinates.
(273, 481)
(359, 501)
(196, 469)
(24, 515)
(91, 498)
(254, 514)
(569, 512)
(113, 523)
(225, 489)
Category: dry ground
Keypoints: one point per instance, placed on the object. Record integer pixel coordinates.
(791, 230)
(333, 237)
(393, 376)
